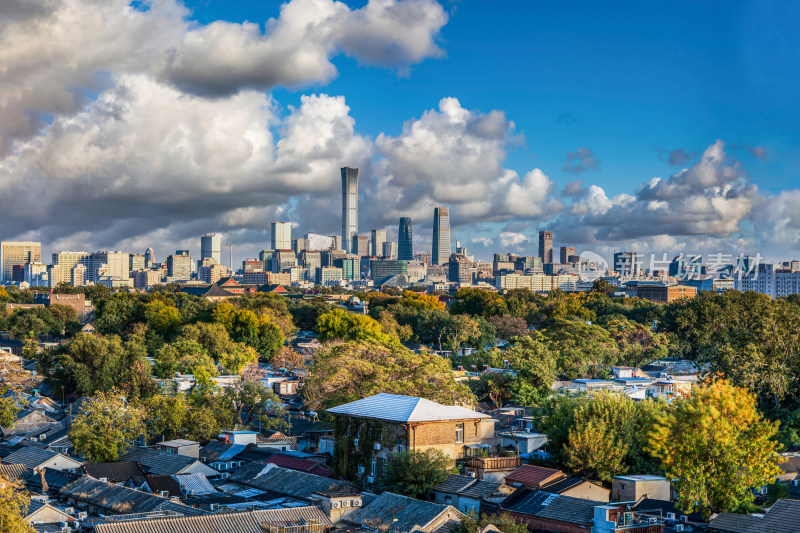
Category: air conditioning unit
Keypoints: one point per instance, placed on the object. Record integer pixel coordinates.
(69, 510)
(370, 480)
(685, 519)
(104, 479)
(356, 503)
(82, 515)
(679, 528)
(43, 437)
(334, 505)
(66, 530)
(164, 494)
(652, 521)
(345, 503)
(377, 445)
(214, 507)
(355, 442)
(670, 516)
(795, 482)
(203, 459)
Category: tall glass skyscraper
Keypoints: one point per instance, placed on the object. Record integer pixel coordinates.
(441, 236)
(405, 245)
(349, 206)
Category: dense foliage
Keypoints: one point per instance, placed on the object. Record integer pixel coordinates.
(717, 447)
(414, 474)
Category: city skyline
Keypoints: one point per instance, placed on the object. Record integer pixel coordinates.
(146, 150)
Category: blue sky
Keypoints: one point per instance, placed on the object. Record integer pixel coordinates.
(158, 121)
(625, 78)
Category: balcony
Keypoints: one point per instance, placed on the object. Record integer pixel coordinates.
(493, 463)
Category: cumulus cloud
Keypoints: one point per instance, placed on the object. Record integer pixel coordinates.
(580, 160)
(90, 42)
(509, 239)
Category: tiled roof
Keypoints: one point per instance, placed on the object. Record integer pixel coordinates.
(196, 484)
(454, 483)
(480, 489)
(533, 476)
(791, 465)
(563, 484)
(157, 462)
(782, 517)
(467, 486)
(30, 456)
(398, 408)
(14, 472)
(553, 506)
(385, 509)
(162, 483)
(55, 479)
(114, 472)
(287, 482)
(246, 522)
(232, 451)
(120, 499)
(303, 465)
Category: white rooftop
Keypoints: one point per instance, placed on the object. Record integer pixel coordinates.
(397, 408)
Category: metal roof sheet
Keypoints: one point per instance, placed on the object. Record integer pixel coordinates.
(273, 478)
(398, 408)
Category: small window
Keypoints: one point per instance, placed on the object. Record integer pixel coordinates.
(460, 432)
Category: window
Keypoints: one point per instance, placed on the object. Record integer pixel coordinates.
(460, 432)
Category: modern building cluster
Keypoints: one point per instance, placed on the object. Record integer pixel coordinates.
(355, 260)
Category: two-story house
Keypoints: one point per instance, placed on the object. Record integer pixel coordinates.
(368, 430)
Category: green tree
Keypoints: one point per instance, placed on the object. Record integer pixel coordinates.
(508, 326)
(14, 503)
(717, 446)
(253, 402)
(106, 428)
(8, 411)
(472, 523)
(346, 372)
(582, 349)
(415, 473)
(342, 325)
(603, 287)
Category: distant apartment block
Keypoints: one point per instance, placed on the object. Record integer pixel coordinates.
(17, 253)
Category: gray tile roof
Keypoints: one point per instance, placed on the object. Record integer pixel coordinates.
(454, 483)
(14, 472)
(467, 486)
(388, 507)
(287, 482)
(554, 506)
(245, 522)
(30, 456)
(114, 472)
(782, 517)
(397, 408)
(120, 499)
(157, 462)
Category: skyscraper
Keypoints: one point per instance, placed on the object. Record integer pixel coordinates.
(281, 236)
(405, 248)
(17, 253)
(546, 246)
(349, 206)
(441, 236)
(566, 253)
(211, 247)
(377, 240)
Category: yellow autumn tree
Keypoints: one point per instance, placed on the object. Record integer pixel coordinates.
(717, 446)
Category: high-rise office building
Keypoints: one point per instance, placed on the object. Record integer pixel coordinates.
(211, 247)
(441, 236)
(405, 248)
(137, 262)
(546, 246)
(281, 236)
(389, 250)
(349, 206)
(360, 245)
(376, 241)
(107, 264)
(179, 266)
(149, 257)
(566, 254)
(63, 263)
(17, 253)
